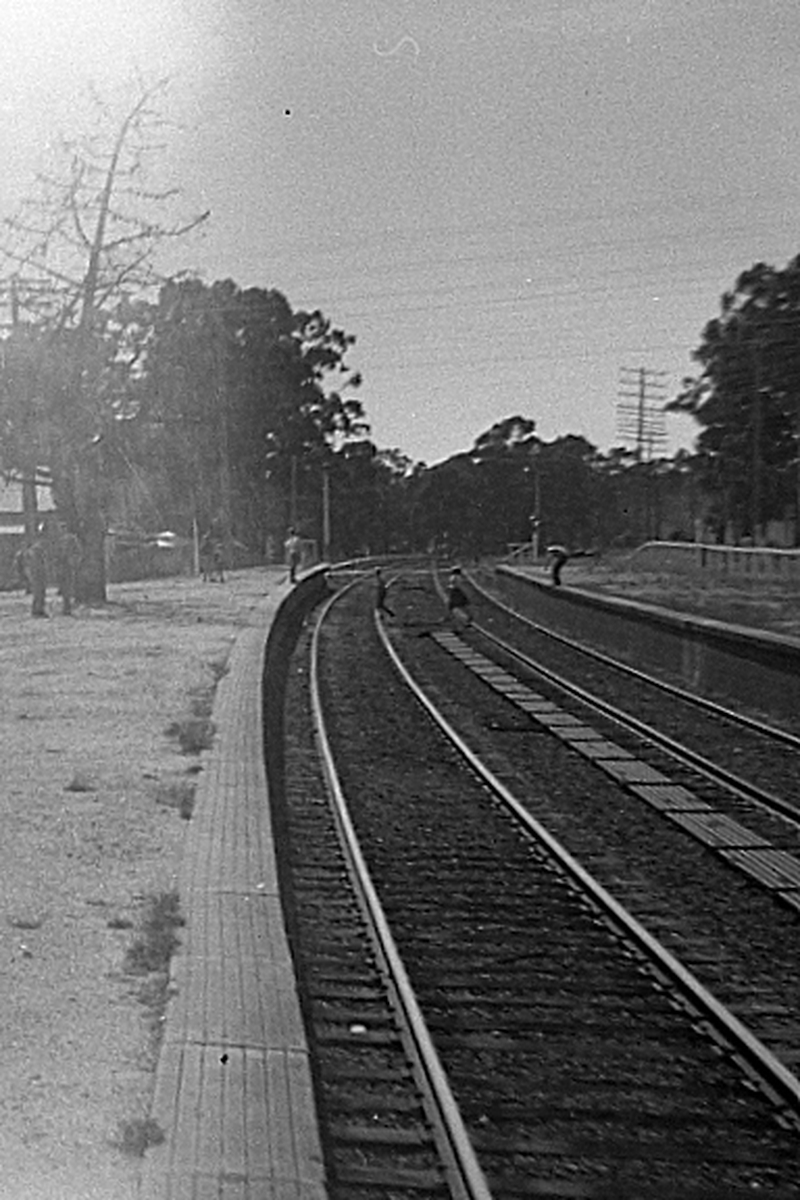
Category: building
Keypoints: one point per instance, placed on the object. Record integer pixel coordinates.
(12, 527)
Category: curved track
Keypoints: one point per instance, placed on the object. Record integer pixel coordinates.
(687, 742)
(771, 753)
(582, 1064)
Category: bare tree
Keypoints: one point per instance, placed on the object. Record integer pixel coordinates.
(80, 251)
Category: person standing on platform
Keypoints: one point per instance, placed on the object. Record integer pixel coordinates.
(67, 562)
(34, 561)
(559, 556)
(292, 548)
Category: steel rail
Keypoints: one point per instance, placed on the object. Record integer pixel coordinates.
(464, 1174)
(772, 731)
(763, 1063)
(718, 775)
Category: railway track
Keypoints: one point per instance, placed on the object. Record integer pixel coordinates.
(579, 1063)
(760, 755)
(730, 780)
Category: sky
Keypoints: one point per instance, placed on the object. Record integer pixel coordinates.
(512, 205)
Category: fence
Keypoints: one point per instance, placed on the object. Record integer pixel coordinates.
(740, 562)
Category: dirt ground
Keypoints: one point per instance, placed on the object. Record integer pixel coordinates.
(94, 802)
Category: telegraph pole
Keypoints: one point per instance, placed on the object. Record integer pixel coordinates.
(758, 437)
(293, 495)
(222, 390)
(640, 410)
(326, 515)
(640, 419)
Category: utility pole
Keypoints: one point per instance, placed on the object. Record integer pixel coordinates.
(222, 390)
(640, 419)
(757, 455)
(536, 516)
(326, 515)
(293, 495)
(640, 410)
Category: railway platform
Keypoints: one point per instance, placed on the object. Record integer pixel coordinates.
(233, 1092)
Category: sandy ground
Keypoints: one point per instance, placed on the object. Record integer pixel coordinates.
(91, 831)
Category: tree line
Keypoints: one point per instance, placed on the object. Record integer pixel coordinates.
(154, 403)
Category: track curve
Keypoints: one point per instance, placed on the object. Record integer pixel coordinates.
(497, 939)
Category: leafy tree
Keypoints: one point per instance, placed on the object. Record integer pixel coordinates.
(359, 511)
(747, 399)
(482, 500)
(77, 250)
(478, 501)
(233, 391)
(570, 489)
(397, 476)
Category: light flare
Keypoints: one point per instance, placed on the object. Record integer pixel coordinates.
(51, 50)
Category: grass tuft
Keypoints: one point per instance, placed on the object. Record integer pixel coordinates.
(136, 1136)
(80, 782)
(149, 957)
(157, 940)
(194, 733)
(178, 793)
(219, 668)
(119, 923)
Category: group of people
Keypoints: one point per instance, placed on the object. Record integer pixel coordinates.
(458, 603)
(53, 555)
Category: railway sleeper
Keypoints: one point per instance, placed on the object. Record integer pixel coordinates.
(402, 1184)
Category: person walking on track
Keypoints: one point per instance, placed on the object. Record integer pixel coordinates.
(458, 604)
(381, 592)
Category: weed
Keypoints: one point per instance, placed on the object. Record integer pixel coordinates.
(194, 733)
(202, 702)
(26, 922)
(80, 782)
(119, 923)
(178, 793)
(157, 940)
(219, 669)
(149, 956)
(136, 1136)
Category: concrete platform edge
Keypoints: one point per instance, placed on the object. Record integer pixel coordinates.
(233, 1092)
